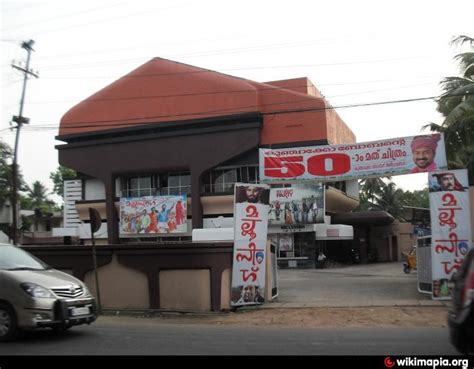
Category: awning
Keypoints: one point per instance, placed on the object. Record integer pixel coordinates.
(363, 218)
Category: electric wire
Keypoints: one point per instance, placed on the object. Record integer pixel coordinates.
(116, 124)
(274, 88)
(27, 24)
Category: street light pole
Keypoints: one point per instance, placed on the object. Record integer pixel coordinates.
(19, 120)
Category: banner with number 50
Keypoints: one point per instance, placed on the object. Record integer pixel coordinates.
(395, 156)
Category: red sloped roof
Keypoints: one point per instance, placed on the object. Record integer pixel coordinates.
(162, 90)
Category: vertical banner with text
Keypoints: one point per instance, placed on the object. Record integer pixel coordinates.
(251, 206)
(450, 226)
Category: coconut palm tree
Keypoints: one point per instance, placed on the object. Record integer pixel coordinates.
(456, 104)
(38, 194)
(391, 199)
(6, 174)
(370, 189)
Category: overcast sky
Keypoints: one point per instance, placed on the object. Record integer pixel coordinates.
(353, 51)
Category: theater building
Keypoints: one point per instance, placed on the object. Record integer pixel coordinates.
(168, 128)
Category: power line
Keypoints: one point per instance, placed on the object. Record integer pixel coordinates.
(104, 20)
(114, 123)
(197, 53)
(29, 5)
(203, 70)
(27, 24)
(275, 88)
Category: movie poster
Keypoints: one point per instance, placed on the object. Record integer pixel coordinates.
(153, 215)
(298, 204)
(450, 226)
(250, 241)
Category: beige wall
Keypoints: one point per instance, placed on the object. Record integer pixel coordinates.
(120, 287)
(337, 201)
(216, 205)
(185, 289)
(226, 282)
(383, 238)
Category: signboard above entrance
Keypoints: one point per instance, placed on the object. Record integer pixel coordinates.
(395, 156)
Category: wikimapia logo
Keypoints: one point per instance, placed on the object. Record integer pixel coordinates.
(427, 363)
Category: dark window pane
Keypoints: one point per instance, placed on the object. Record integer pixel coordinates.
(173, 180)
(252, 175)
(185, 179)
(218, 188)
(230, 176)
(145, 182)
(173, 190)
(245, 175)
(185, 190)
(133, 183)
(206, 188)
(229, 187)
(206, 178)
(217, 176)
(164, 180)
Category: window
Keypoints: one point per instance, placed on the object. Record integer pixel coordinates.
(140, 186)
(341, 185)
(222, 180)
(178, 183)
(175, 183)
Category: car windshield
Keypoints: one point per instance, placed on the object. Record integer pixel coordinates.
(14, 258)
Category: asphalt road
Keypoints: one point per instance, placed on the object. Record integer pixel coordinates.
(120, 337)
(362, 285)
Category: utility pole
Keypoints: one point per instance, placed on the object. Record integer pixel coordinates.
(19, 120)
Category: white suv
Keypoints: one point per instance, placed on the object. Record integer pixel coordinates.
(34, 295)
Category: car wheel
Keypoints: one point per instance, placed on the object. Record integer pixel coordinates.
(8, 324)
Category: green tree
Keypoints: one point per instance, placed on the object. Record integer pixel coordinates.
(5, 172)
(59, 176)
(38, 196)
(391, 200)
(417, 199)
(376, 194)
(456, 104)
(6, 175)
(370, 190)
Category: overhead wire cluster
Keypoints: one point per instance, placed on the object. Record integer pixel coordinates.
(128, 123)
(194, 54)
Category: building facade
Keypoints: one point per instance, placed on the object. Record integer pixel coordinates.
(169, 128)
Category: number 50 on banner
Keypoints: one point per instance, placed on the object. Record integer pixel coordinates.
(351, 161)
(319, 165)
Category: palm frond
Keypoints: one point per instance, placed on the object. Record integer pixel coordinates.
(467, 89)
(464, 60)
(469, 72)
(433, 127)
(461, 39)
(457, 114)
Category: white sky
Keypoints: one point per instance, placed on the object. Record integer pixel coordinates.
(353, 51)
